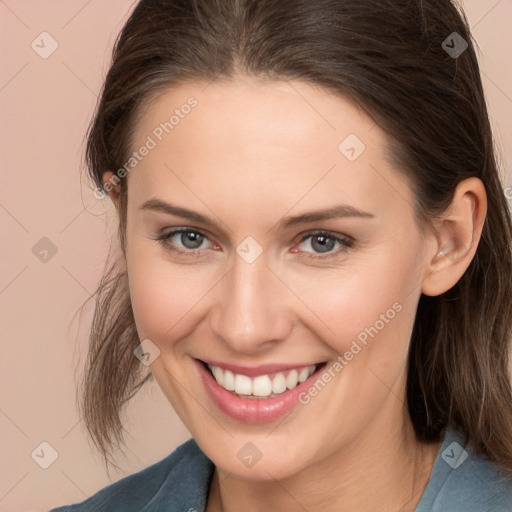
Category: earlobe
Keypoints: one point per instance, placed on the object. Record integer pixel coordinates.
(457, 236)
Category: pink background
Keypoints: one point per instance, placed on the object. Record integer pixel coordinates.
(46, 106)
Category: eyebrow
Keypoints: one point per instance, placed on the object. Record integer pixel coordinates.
(334, 212)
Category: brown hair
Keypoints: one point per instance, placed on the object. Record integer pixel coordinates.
(387, 56)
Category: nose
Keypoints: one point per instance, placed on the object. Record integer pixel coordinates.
(252, 310)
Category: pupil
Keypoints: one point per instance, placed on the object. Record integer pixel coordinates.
(192, 238)
(324, 247)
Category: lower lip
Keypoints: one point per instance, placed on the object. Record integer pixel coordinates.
(252, 410)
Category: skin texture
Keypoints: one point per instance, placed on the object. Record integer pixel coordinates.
(248, 155)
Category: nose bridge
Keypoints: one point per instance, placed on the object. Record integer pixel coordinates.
(251, 310)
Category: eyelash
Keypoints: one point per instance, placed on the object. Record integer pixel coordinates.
(164, 238)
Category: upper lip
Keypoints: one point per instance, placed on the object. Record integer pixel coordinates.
(254, 371)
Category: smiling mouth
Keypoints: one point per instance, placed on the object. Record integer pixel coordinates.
(270, 385)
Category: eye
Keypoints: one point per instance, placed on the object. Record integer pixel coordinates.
(324, 242)
(190, 240)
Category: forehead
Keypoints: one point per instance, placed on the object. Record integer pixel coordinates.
(280, 114)
(248, 139)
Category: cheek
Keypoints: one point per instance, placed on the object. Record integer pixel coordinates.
(371, 297)
(165, 298)
(372, 315)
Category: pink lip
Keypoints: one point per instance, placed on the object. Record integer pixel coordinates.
(256, 411)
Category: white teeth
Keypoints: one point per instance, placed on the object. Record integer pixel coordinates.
(243, 384)
(262, 385)
(278, 383)
(218, 374)
(229, 380)
(292, 379)
(303, 375)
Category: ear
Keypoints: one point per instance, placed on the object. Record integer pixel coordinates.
(455, 237)
(111, 186)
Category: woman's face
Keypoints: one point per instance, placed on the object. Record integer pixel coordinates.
(302, 249)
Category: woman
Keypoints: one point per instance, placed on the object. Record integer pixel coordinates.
(315, 259)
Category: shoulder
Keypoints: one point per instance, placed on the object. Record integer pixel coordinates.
(464, 481)
(179, 480)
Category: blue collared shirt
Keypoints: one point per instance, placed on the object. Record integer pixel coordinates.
(461, 481)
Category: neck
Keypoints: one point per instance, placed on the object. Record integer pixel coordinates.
(372, 472)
